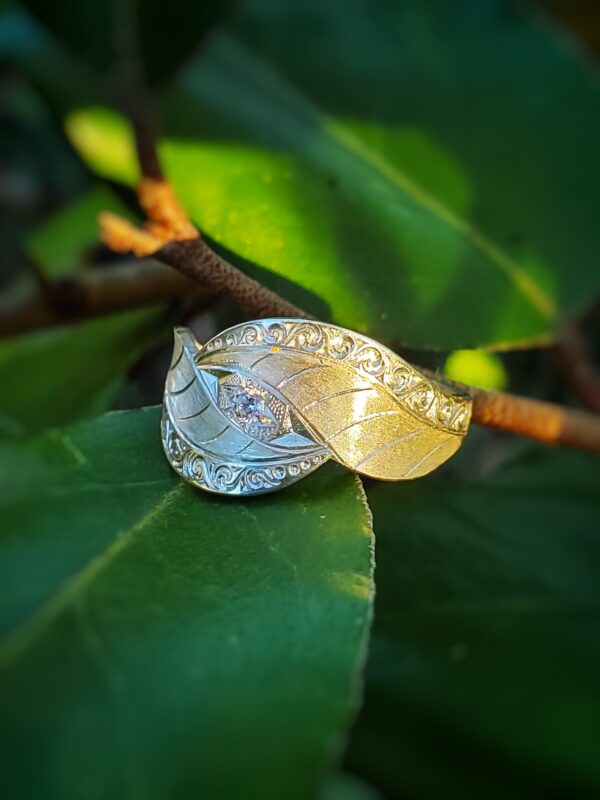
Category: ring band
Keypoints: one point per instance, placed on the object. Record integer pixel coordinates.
(266, 402)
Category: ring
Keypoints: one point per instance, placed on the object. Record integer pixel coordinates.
(267, 402)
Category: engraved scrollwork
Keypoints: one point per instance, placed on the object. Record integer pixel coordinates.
(275, 333)
(370, 360)
(340, 346)
(358, 352)
(205, 471)
(251, 334)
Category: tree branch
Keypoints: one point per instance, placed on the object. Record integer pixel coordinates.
(201, 264)
(577, 366)
(94, 293)
(548, 423)
(145, 132)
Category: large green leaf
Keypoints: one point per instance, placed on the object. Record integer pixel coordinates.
(426, 170)
(159, 642)
(483, 676)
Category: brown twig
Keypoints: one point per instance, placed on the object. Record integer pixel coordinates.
(578, 367)
(95, 293)
(145, 132)
(200, 263)
(548, 423)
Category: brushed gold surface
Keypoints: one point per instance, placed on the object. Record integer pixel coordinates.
(366, 427)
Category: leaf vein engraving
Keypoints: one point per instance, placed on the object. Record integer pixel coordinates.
(300, 372)
(214, 438)
(175, 363)
(414, 467)
(196, 413)
(185, 388)
(336, 395)
(387, 446)
(360, 422)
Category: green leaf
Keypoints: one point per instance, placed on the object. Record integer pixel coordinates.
(63, 243)
(423, 170)
(164, 643)
(347, 787)
(106, 141)
(486, 646)
(54, 377)
(478, 368)
(102, 33)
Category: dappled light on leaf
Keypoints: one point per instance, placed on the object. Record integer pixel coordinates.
(477, 368)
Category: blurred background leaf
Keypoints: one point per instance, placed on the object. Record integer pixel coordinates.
(483, 671)
(147, 627)
(69, 239)
(416, 179)
(56, 376)
(348, 787)
(104, 34)
(39, 173)
(477, 368)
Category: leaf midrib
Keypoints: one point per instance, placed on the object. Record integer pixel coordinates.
(11, 497)
(492, 252)
(342, 136)
(24, 635)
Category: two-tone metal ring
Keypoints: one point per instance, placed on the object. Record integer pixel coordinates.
(267, 402)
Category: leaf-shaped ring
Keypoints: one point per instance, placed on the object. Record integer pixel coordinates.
(266, 402)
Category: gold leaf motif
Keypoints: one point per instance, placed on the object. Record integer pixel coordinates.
(375, 412)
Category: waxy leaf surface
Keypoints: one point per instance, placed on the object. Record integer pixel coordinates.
(158, 641)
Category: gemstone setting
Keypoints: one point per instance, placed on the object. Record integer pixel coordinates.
(246, 406)
(252, 409)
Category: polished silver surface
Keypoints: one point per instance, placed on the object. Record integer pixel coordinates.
(227, 433)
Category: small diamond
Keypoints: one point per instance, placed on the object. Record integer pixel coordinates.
(246, 406)
(252, 409)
